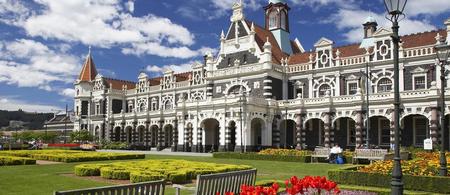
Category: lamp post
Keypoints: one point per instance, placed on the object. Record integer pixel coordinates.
(368, 77)
(395, 10)
(442, 53)
(241, 101)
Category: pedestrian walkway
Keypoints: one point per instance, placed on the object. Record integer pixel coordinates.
(169, 153)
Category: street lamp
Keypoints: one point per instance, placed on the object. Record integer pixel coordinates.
(442, 53)
(368, 77)
(241, 100)
(395, 10)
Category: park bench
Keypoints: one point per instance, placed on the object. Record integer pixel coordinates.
(211, 184)
(144, 188)
(369, 154)
(321, 152)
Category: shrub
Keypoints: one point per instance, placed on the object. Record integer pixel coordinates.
(12, 160)
(142, 176)
(176, 171)
(114, 173)
(71, 156)
(350, 176)
(285, 152)
(256, 156)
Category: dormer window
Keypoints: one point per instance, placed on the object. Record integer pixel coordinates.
(283, 20)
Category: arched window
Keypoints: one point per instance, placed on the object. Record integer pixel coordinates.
(283, 20)
(384, 85)
(323, 89)
(142, 107)
(273, 20)
(168, 105)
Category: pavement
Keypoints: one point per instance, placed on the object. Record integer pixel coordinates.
(164, 152)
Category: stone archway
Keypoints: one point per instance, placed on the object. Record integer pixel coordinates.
(344, 132)
(154, 136)
(231, 137)
(115, 137)
(415, 128)
(380, 131)
(287, 133)
(212, 134)
(168, 135)
(257, 126)
(314, 133)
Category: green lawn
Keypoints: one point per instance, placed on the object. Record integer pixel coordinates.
(44, 179)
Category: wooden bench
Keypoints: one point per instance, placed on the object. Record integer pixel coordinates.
(320, 153)
(370, 154)
(210, 184)
(144, 188)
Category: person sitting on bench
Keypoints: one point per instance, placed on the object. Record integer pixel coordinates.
(334, 152)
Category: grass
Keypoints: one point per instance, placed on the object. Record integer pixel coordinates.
(44, 179)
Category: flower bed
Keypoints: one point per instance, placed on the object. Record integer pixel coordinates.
(176, 171)
(70, 155)
(351, 176)
(256, 156)
(13, 160)
(425, 164)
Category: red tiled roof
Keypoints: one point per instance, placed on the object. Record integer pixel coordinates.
(180, 77)
(421, 39)
(349, 50)
(295, 48)
(118, 84)
(88, 72)
(300, 58)
(261, 37)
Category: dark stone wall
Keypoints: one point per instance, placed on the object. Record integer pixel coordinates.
(241, 31)
(245, 57)
(408, 76)
(277, 88)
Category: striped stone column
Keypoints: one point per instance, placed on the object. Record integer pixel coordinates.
(434, 126)
(111, 132)
(298, 131)
(190, 138)
(123, 135)
(160, 144)
(359, 123)
(267, 88)
(227, 138)
(186, 138)
(134, 134)
(175, 136)
(209, 89)
(276, 132)
(147, 135)
(199, 139)
(392, 135)
(327, 130)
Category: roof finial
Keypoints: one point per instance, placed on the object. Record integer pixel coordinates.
(89, 51)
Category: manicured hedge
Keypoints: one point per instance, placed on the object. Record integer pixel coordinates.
(176, 171)
(256, 156)
(350, 176)
(12, 160)
(71, 156)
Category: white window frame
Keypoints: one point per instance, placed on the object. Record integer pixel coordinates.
(414, 80)
(378, 82)
(348, 86)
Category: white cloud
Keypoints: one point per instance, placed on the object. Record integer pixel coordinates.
(13, 12)
(68, 92)
(428, 7)
(11, 104)
(103, 23)
(177, 68)
(350, 21)
(28, 63)
(317, 4)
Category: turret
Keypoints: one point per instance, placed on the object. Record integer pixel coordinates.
(277, 21)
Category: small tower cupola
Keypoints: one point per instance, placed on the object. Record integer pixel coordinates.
(277, 21)
(88, 72)
(370, 26)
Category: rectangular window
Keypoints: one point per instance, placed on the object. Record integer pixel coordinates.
(419, 82)
(352, 88)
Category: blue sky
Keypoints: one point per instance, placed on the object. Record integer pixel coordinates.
(43, 43)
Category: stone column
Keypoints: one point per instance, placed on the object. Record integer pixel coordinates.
(175, 136)
(267, 88)
(186, 138)
(123, 136)
(228, 138)
(199, 147)
(434, 126)
(147, 135)
(327, 129)
(298, 131)
(359, 124)
(111, 132)
(160, 144)
(134, 134)
(276, 132)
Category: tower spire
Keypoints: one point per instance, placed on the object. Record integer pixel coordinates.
(88, 72)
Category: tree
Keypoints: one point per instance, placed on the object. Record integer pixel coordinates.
(81, 136)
